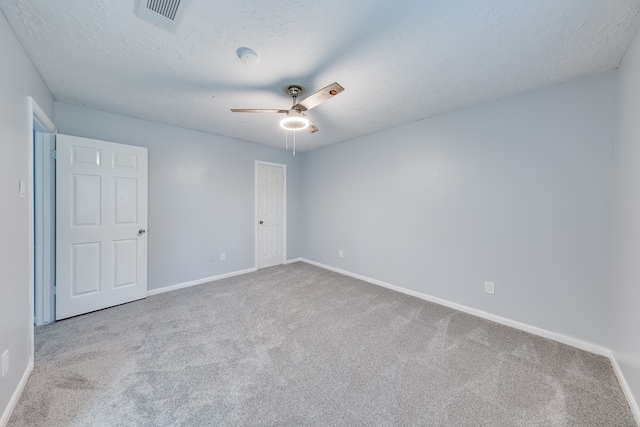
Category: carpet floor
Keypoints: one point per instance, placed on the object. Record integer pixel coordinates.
(297, 345)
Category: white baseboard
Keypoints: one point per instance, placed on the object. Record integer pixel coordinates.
(199, 281)
(210, 279)
(16, 395)
(625, 388)
(564, 339)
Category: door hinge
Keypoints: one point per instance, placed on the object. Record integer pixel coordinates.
(54, 154)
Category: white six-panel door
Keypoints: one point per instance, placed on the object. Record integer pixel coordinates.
(101, 221)
(270, 210)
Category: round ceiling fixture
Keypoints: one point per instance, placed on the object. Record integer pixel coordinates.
(248, 56)
(294, 121)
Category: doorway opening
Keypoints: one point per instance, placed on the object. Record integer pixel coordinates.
(42, 215)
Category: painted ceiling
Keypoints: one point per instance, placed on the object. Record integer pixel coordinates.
(399, 61)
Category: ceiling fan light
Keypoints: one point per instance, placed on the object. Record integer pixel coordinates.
(294, 123)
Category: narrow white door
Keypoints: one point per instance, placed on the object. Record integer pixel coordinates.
(271, 213)
(101, 221)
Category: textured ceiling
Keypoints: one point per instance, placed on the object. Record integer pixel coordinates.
(399, 61)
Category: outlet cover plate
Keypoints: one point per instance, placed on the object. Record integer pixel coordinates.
(489, 287)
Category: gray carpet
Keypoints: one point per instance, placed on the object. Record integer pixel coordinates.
(297, 345)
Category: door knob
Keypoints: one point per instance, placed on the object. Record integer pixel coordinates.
(141, 231)
(261, 222)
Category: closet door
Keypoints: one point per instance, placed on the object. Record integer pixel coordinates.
(270, 209)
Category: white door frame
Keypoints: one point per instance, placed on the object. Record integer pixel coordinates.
(37, 119)
(284, 209)
(44, 194)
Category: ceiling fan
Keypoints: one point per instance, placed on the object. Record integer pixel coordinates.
(295, 118)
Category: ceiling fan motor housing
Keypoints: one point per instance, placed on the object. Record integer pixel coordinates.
(294, 91)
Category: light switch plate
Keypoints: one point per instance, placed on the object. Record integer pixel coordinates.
(22, 189)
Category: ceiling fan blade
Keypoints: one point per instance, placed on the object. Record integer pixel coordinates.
(256, 110)
(319, 97)
(312, 126)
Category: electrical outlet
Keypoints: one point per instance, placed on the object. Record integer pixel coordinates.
(341, 253)
(212, 258)
(223, 256)
(5, 362)
(489, 287)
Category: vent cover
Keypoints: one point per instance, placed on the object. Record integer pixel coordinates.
(163, 13)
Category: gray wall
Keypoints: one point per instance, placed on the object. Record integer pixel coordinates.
(626, 271)
(18, 80)
(518, 192)
(201, 193)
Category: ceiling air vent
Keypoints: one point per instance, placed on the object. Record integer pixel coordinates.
(163, 13)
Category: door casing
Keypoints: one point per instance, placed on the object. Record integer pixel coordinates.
(44, 226)
(37, 119)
